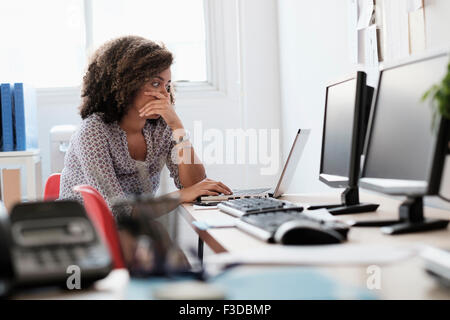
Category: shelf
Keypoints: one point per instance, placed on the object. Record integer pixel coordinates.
(27, 153)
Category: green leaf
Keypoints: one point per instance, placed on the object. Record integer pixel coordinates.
(439, 98)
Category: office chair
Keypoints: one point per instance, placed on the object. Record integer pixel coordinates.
(51, 190)
(102, 218)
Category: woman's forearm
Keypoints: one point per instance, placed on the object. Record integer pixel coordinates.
(190, 168)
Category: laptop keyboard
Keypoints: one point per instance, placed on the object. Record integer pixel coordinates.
(239, 207)
(237, 194)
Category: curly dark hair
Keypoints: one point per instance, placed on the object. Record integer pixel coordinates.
(116, 72)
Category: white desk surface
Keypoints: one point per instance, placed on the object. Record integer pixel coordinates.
(232, 239)
(403, 280)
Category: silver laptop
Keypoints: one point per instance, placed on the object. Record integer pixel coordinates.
(285, 178)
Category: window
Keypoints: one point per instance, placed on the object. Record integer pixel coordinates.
(42, 42)
(47, 42)
(177, 23)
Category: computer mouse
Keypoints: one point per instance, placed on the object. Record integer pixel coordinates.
(300, 232)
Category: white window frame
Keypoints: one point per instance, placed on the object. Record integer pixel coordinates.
(222, 51)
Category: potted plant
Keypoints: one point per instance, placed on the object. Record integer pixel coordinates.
(439, 97)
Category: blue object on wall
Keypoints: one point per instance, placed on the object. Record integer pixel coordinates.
(7, 138)
(25, 122)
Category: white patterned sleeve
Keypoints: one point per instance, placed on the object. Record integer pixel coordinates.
(96, 163)
(173, 167)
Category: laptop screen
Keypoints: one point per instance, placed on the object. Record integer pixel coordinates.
(292, 161)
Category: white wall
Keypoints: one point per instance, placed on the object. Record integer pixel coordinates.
(54, 110)
(260, 78)
(313, 52)
(437, 23)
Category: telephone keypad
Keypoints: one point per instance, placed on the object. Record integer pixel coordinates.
(44, 260)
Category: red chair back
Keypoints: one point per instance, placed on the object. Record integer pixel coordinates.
(102, 218)
(51, 190)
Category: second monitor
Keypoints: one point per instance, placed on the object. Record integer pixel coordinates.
(404, 153)
(347, 109)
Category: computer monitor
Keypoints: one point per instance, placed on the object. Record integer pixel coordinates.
(441, 162)
(337, 133)
(404, 154)
(347, 106)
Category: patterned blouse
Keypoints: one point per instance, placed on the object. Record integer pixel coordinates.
(98, 156)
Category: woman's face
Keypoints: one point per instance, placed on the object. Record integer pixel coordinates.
(159, 83)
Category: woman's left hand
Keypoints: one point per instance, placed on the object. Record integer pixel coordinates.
(162, 106)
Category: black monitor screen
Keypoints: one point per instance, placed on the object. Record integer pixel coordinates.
(401, 139)
(338, 127)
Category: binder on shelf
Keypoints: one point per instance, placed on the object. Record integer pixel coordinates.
(25, 118)
(7, 132)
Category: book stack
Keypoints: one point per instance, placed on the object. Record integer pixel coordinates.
(18, 117)
(18, 132)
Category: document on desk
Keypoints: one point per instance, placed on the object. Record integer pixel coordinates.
(214, 221)
(349, 254)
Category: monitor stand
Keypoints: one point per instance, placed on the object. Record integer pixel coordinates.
(411, 219)
(350, 204)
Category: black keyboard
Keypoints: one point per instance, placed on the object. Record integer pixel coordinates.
(264, 225)
(240, 207)
(270, 221)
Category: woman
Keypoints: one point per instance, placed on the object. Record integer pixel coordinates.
(130, 127)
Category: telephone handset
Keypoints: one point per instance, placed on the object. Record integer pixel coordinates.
(39, 241)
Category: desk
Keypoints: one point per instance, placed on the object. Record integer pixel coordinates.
(403, 280)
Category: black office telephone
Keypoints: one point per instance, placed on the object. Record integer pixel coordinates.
(39, 241)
